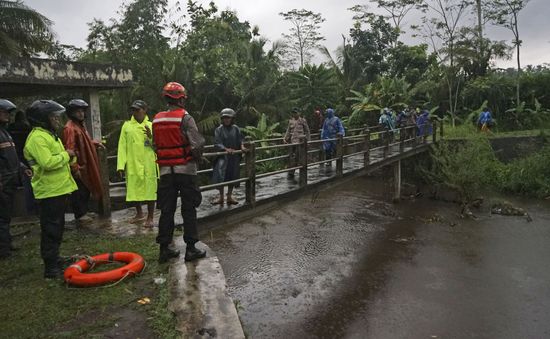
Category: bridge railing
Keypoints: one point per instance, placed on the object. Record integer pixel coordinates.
(270, 157)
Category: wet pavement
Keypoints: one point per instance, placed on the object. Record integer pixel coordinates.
(345, 264)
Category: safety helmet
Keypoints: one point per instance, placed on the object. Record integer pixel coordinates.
(7, 105)
(227, 112)
(174, 90)
(39, 112)
(295, 110)
(76, 104)
(139, 104)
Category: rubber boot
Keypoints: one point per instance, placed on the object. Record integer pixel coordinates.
(166, 254)
(51, 269)
(193, 253)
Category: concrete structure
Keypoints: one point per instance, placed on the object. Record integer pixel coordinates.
(32, 77)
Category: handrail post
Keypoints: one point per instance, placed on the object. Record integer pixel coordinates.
(366, 141)
(105, 201)
(302, 159)
(339, 155)
(386, 143)
(321, 150)
(434, 131)
(250, 169)
(425, 132)
(402, 135)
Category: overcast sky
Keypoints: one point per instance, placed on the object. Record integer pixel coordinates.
(70, 19)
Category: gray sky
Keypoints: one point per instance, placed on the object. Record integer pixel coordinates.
(71, 18)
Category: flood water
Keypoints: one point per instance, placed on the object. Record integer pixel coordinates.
(347, 263)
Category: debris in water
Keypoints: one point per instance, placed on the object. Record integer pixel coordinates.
(403, 240)
(159, 280)
(144, 301)
(506, 208)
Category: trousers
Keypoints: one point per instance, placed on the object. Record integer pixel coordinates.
(172, 186)
(52, 225)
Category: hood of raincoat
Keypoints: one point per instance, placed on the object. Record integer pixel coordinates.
(330, 113)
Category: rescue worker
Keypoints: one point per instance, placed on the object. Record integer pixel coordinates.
(137, 162)
(178, 145)
(227, 138)
(331, 128)
(297, 129)
(52, 182)
(10, 170)
(86, 170)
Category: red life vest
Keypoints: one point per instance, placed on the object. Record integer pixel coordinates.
(171, 144)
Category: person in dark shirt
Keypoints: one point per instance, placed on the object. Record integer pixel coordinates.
(227, 138)
(10, 170)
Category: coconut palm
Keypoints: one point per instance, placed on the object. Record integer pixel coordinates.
(23, 31)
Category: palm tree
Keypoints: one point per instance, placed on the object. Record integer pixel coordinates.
(312, 86)
(23, 31)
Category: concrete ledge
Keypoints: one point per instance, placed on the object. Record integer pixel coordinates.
(200, 300)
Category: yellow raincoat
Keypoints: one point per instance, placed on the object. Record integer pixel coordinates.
(137, 158)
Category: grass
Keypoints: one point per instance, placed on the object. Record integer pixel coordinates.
(33, 307)
(470, 131)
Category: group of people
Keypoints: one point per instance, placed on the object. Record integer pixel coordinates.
(391, 120)
(159, 160)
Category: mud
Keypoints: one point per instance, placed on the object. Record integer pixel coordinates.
(345, 264)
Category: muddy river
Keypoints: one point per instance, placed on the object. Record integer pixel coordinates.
(347, 263)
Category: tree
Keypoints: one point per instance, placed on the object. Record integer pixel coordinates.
(304, 35)
(371, 46)
(396, 10)
(23, 31)
(312, 86)
(440, 27)
(505, 13)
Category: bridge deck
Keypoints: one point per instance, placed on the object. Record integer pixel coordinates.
(267, 189)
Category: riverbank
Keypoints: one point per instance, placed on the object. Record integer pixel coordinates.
(37, 308)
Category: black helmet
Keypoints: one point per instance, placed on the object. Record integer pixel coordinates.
(139, 104)
(7, 105)
(75, 104)
(39, 112)
(227, 112)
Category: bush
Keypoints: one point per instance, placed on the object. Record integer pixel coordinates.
(527, 176)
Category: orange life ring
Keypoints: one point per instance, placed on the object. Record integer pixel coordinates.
(77, 275)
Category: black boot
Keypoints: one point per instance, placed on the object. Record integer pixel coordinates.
(193, 253)
(166, 254)
(51, 270)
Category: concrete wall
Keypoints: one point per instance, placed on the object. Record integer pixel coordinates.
(510, 148)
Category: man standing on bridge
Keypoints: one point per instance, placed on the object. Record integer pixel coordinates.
(178, 145)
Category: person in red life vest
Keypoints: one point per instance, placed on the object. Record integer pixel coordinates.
(178, 146)
(86, 170)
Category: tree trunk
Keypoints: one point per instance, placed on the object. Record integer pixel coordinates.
(481, 51)
(519, 73)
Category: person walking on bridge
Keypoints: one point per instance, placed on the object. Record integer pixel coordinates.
(332, 127)
(86, 169)
(178, 145)
(52, 182)
(296, 130)
(136, 161)
(227, 138)
(10, 172)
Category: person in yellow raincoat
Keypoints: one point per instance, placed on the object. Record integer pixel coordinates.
(137, 162)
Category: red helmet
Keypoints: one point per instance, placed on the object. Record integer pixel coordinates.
(174, 90)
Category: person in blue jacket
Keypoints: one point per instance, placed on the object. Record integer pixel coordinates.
(485, 120)
(331, 128)
(423, 124)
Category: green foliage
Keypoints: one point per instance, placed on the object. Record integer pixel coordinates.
(311, 86)
(527, 176)
(467, 168)
(264, 130)
(23, 31)
(385, 92)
